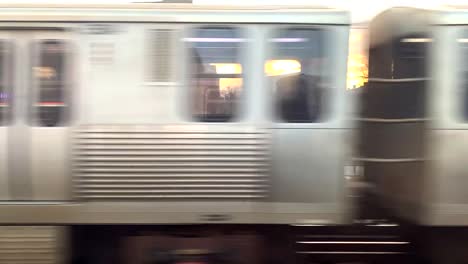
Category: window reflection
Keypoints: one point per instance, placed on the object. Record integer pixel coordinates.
(297, 71)
(282, 67)
(216, 73)
(49, 74)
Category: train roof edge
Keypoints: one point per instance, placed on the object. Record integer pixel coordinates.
(173, 13)
(398, 22)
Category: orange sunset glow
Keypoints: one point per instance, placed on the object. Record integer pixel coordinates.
(357, 59)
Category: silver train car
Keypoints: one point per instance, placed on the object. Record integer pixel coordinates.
(123, 125)
(413, 126)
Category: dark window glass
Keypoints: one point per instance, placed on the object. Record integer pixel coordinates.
(216, 73)
(297, 68)
(49, 74)
(5, 82)
(398, 78)
(411, 57)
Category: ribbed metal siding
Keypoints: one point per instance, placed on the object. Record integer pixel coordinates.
(155, 164)
(29, 245)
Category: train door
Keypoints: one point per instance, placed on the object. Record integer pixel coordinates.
(34, 114)
(308, 122)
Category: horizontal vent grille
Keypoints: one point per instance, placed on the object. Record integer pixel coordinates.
(38, 245)
(346, 244)
(156, 164)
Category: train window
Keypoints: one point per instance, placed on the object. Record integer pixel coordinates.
(160, 55)
(5, 82)
(49, 77)
(296, 70)
(216, 73)
(411, 61)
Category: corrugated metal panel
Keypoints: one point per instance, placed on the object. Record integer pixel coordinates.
(127, 163)
(27, 244)
(160, 56)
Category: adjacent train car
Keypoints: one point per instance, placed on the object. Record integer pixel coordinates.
(413, 125)
(114, 118)
(394, 114)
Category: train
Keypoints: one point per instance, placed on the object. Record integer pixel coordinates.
(412, 126)
(173, 133)
(121, 121)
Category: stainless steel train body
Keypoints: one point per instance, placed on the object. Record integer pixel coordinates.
(447, 199)
(143, 114)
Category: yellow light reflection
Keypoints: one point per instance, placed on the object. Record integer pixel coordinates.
(227, 68)
(282, 67)
(228, 85)
(44, 72)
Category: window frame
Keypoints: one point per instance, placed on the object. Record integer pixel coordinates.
(239, 114)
